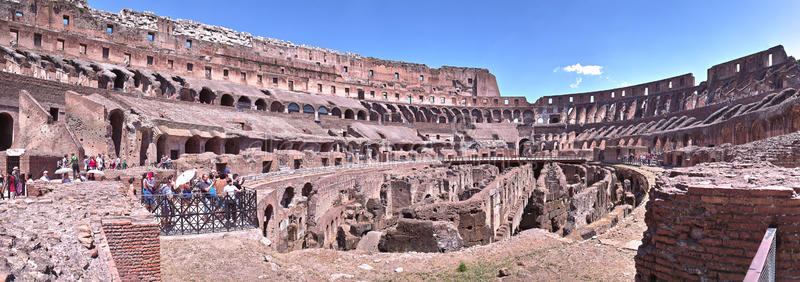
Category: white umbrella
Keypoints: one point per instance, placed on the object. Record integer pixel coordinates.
(185, 177)
(96, 172)
(63, 171)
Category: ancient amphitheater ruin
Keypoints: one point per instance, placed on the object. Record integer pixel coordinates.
(359, 155)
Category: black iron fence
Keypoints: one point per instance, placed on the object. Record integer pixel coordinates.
(203, 213)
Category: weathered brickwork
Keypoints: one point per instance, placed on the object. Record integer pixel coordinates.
(135, 248)
(710, 231)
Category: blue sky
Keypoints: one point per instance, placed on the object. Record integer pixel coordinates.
(528, 45)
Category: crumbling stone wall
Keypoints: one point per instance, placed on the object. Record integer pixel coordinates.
(480, 218)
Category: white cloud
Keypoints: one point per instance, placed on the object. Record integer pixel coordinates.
(577, 82)
(586, 70)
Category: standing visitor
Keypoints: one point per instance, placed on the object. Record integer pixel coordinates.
(75, 165)
(13, 180)
(100, 162)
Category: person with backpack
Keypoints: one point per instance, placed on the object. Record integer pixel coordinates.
(75, 166)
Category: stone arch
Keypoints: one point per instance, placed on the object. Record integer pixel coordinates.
(361, 115)
(207, 96)
(117, 119)
(528, 116)
(192, 145)
(336, 112)
(307, 189)
(226, 100)
(348, 114)
(187, 95)
(6, 131)
(756, 131)
(268, 212)
(119, 79)
(740, 134)
(507, 116)
(214, 145)
(477, 115)
(726, 135)
(243, 103)
(287, 197)
(261, 105)
(293, 108)
(232, 146)
(276, 107)
(308, 109)
(322, 110)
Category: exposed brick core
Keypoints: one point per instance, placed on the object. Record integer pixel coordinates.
(712, 232)
(135, 248)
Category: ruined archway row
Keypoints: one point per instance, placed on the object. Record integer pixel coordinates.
(773, 115)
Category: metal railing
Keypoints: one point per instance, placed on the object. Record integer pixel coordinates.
(202, 213)
(762, 268)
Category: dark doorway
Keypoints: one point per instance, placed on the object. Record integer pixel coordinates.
(298, 164)
(116, 118)
(11, 162)
(267, 217)
(6, 131)
(266, 166)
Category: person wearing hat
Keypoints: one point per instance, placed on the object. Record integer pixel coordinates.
(45, 177)
(13, 182)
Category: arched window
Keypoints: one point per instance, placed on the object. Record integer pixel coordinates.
(308, 109)
(261, 105)
(322, 110)
(293, 108)
(276, 107)
(227, 100)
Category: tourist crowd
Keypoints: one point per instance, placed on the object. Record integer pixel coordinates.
(212, 194)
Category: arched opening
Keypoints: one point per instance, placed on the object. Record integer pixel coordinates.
(186, 95)
(192, 145)
(307, 189)
(287, 197)
(477, 116)
(161, 146)
(442, 119)
(293, 108)
(348, 114)
(267, 218)
(322, 110)
(261, 105)
(119, 80)
(207, 96)
(336, 112)
(276, 107)
(243, 102)
(361, 115)
(6, 131)
(232, 146)
(214, 145)
(308, 109)
(147, 139)
(116, 118)
(227, 100)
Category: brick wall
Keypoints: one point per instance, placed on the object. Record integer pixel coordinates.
(705, 232)
(135, 248)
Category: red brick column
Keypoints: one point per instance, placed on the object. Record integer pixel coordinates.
(135, 248)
